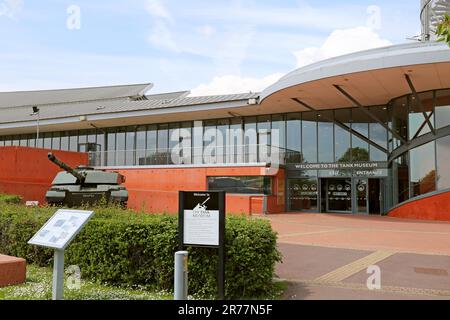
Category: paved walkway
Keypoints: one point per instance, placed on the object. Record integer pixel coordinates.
(328, 256)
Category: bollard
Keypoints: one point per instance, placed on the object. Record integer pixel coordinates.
(181, 276)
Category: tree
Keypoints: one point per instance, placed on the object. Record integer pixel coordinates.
(443, 30)
(355, 155)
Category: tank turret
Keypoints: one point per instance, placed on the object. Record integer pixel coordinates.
(81, 177)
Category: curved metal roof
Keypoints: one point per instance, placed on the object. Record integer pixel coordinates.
(373, 76)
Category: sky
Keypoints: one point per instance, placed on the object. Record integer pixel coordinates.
(207, 47)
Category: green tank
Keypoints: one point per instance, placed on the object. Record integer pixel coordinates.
(85, 186)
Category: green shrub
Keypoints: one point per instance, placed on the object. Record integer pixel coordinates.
(10, 199)
(126, 248)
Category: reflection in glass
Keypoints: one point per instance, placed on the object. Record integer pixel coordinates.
(325, 135)
(443, 163)
(423, 170)
(294, 141)
(309, 137)
(399, 120)
(342, 147)
(417, 121)
(400, 179)
(241, 185)
(442, 108)
(303, 194)
(278, 138)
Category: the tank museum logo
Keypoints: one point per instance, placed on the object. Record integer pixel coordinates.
(201, 209)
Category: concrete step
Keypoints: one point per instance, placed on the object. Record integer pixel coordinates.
(12, 270)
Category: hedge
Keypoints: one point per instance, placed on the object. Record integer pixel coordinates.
(126, 248)
(10, 199)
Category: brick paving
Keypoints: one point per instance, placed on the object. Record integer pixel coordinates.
(326, 256)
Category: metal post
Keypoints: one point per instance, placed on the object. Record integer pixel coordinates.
(58, 275)
(181, 275)
(37, 133)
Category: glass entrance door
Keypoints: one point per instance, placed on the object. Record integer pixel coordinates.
(303, 195)
(339, 195)
(361, 192)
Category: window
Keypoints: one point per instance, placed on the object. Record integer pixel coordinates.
(342, 141)
(163, 143)
(399, 119)
(325, 136)
(250, 140)
(120, 147)
(360, 147)
(140, 145)
(417, 121)
(152, 147)
(309, 137)
(294, 138)
(130, 146)
(110, 155)
(400, 176)
(278, 138)
(423, 169)
(222, 140)
(442, 108)
(241, 185)
(443, 164)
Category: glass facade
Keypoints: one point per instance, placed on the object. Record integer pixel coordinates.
(330, 136)
(423, 166)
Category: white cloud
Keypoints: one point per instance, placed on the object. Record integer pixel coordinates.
(10, 8)
(157, 10)
(230, 84)
(341, 42)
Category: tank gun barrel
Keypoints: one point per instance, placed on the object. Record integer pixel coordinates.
(66, 167)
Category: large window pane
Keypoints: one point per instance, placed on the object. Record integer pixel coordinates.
(65, 141)
(174, 140)
(163, 143)
(442, 108)
(111, 148)
(140, 145)
(120, 147)
(400, 179)
(443, 163)
(236, 142)
(325, 136)
(278, 138)
(399, 120)
(294, 138)
(222, 138)
(241, 185)
(343, 152)
(309, 137)
(378, 134)
(423, 170)
(360, 148)
(417, 120)
(152, 147)
(250, 140)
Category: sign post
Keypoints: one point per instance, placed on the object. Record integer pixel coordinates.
(57, 233)
(202, 224)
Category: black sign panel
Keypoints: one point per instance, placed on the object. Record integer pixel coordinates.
(202, 224)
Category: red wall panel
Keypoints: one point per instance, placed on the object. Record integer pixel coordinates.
(29, 173)
(156, 190)
(436, 207)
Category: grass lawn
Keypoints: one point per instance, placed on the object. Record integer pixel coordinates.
(39, 287)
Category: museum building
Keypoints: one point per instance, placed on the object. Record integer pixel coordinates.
(365, 133)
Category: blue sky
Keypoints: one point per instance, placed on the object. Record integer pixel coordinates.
(205, 46)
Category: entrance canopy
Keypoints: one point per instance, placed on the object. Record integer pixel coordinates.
(372, 77)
